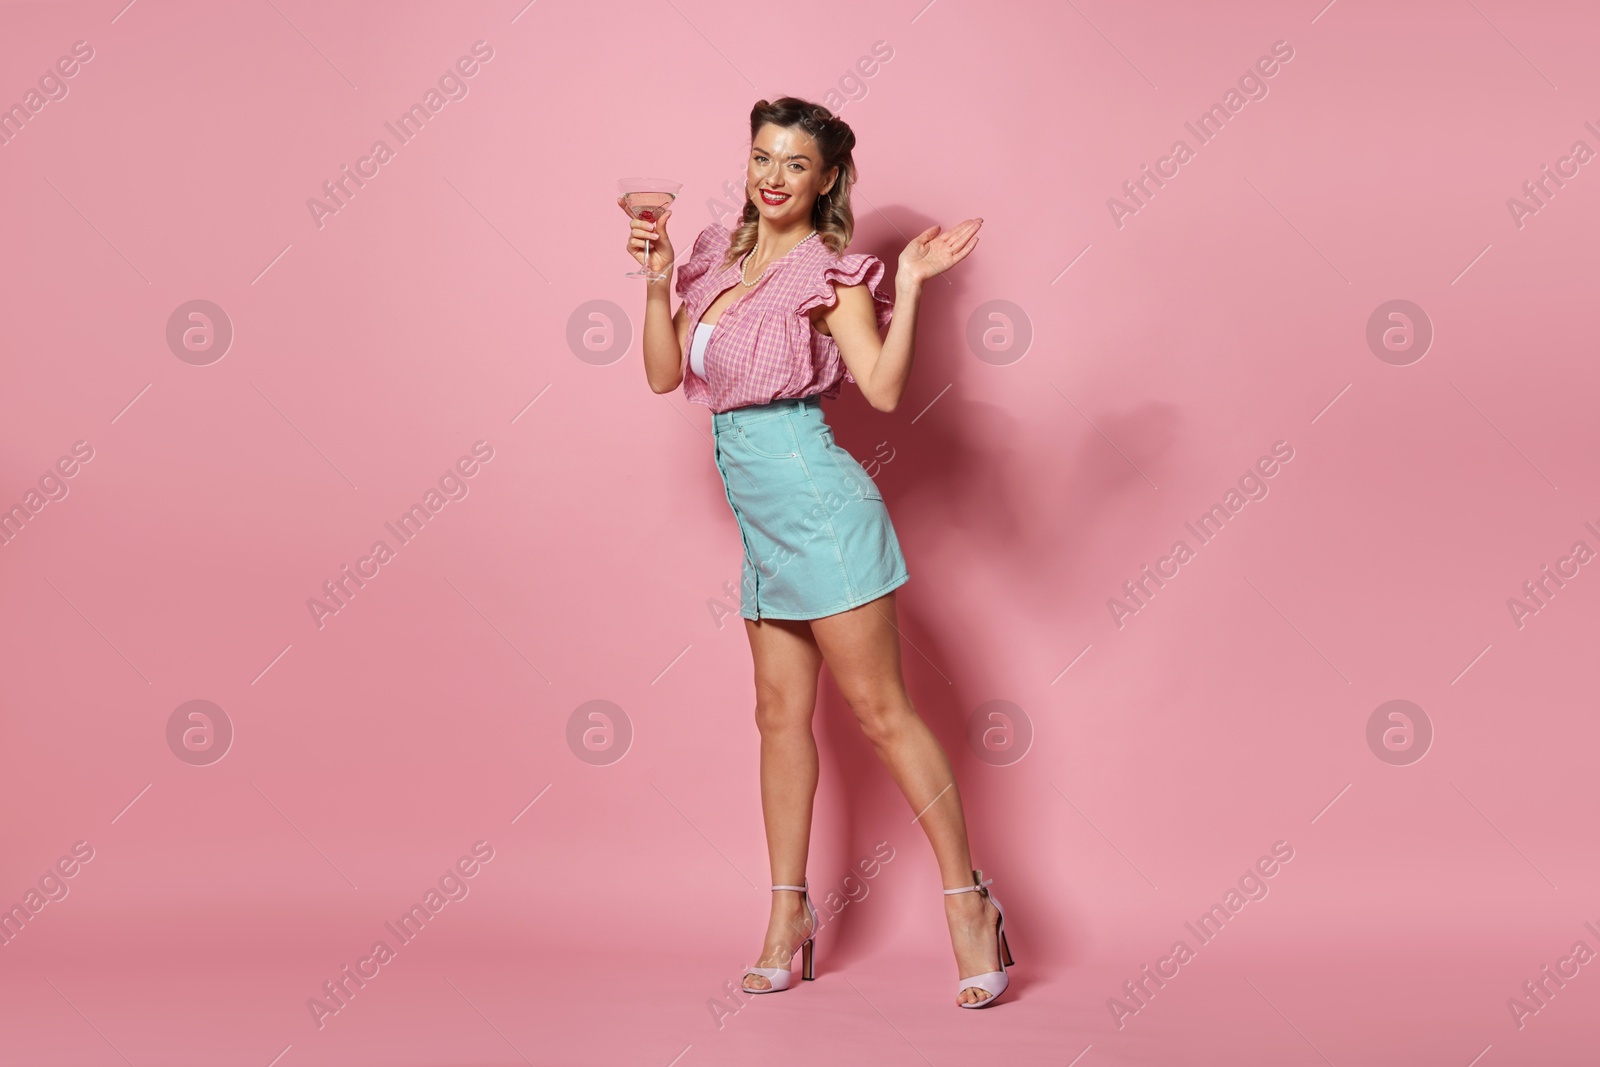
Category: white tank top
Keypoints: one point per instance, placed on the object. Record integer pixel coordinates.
(697, 349)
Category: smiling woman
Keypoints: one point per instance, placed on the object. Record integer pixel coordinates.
(776, 316)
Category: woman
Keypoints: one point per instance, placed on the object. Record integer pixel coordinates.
(780, 318)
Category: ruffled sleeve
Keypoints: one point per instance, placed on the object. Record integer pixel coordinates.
(712, 240)
(846, 270)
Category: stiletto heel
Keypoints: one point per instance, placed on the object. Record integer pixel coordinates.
(779, 976)
(992, 982)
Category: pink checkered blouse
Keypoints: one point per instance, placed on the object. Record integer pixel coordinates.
(764, 346)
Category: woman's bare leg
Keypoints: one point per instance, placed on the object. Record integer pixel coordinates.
(786, 664)
(862, 648)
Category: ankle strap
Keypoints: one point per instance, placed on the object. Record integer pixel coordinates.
(796, 888)
(978, 883)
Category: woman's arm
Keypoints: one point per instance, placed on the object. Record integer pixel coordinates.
(663, 337)
(882, 367)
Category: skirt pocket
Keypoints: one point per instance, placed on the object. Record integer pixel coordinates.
(771, 437)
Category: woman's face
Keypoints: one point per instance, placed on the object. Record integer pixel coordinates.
(785, 161)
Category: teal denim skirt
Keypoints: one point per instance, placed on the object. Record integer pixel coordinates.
(817, 535)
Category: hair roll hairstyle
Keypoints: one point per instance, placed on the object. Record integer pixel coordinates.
(830, 214)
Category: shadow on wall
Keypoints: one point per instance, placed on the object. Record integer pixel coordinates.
(954, 491)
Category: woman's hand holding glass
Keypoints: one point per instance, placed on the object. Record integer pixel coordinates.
(647, 202)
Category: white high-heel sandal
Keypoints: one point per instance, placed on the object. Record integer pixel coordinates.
(779, 976)
(992, 982)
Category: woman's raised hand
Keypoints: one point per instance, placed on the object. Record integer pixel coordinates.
(656, 233)
(931, 253)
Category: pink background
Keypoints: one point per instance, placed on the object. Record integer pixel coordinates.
(1229, 313)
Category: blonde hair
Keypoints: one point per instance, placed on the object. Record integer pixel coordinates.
(830, 214)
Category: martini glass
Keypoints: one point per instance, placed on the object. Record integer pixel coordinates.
(646, 199)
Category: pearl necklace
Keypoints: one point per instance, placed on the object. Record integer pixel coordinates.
(745, 262)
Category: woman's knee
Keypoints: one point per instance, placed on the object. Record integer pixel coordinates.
(779, 710)
(881, 713)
